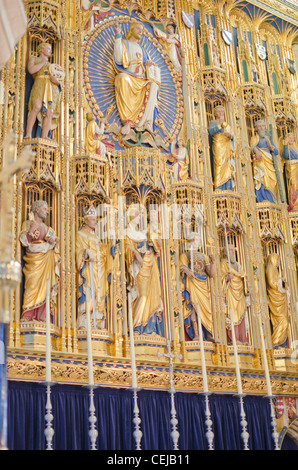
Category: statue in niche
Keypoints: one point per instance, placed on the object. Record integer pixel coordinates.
(263, 168)
(278, 296)
(96, 141)
(180, 160)
(290, 158)
(137, 81)
(93, 262)
(172, 45)
(195, 269)
(232, 282)
(141, 253)
(10, 110)
(223, 146)
(44, 101)
(254, 72)
(215, 54)
(41, 263)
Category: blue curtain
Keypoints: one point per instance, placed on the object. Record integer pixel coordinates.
(114, 412)
(3, 385)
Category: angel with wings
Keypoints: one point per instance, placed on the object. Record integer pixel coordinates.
(172, 44)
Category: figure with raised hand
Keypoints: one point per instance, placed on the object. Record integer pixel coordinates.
(137, 81)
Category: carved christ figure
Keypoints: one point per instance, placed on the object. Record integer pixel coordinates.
(137, 81)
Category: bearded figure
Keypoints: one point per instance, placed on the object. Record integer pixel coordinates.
(41, 263)
(137, 81)
(266, 186)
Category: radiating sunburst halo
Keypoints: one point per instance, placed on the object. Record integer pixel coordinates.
(99, 77)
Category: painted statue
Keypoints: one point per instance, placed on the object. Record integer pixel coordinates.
(290, 158)
(223, 146)
(41, 261)
(232, 282)
(196, 268)
(136, 82)
(278, 300)
(44, 101)
(93, 267)
(95, 137)
(215, 54)
(263, 169)
(172, 45)
(254, 71)
(144, 279)
(179, 158)
(92, 12)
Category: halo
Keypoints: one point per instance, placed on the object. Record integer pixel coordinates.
(99, 76)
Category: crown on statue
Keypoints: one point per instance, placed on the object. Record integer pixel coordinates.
(90, 212)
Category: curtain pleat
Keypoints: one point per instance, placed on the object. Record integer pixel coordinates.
(115, 426)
